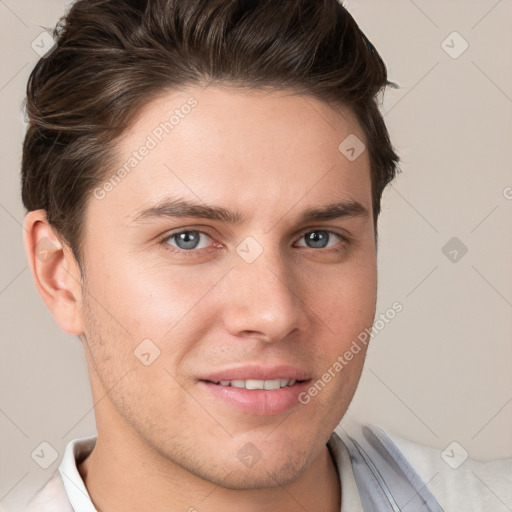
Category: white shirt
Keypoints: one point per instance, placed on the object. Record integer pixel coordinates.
(473, 486)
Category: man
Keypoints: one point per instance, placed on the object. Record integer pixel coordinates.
(203, 184)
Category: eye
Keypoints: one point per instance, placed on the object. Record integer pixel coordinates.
(187, 240)
(320, 238)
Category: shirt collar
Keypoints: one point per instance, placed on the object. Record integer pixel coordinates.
(350, 499)
(76, 451)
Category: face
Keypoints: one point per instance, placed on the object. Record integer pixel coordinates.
(249, 284)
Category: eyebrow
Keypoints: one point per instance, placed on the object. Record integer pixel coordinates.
(177, 207)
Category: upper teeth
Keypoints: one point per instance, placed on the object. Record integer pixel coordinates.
(258, 384)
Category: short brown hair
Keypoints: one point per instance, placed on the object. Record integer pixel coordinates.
(115, 56)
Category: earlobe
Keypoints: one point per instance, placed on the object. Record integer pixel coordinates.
(55, 272)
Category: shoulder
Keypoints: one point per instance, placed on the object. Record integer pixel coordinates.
(51, 498)
(451, 476)
(458, 481)
(65, 491)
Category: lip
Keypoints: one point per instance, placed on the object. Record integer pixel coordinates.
(258, 372)
(260, 402)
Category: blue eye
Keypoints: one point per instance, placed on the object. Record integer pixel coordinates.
(187, 240)
(319, 238)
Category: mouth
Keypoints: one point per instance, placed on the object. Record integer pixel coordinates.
(256, 397)
(253, 384)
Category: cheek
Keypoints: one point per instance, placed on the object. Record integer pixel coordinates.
(345, 299)
(124, 340)
(346, 308)
(170, 305)
(146, 299)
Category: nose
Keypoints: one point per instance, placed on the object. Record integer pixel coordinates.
(262, 299)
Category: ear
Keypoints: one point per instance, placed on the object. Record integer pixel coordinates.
(55, 272)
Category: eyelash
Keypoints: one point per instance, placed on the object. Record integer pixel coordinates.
(194, 252)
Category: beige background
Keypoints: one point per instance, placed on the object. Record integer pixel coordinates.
(441, 370)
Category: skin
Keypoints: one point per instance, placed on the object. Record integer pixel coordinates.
(269, 155)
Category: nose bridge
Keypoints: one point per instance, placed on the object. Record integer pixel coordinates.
(262, 296)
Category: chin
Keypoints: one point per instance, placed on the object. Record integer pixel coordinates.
(251, 472)
(263, 477)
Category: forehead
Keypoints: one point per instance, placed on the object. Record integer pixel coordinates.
(265, 149)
